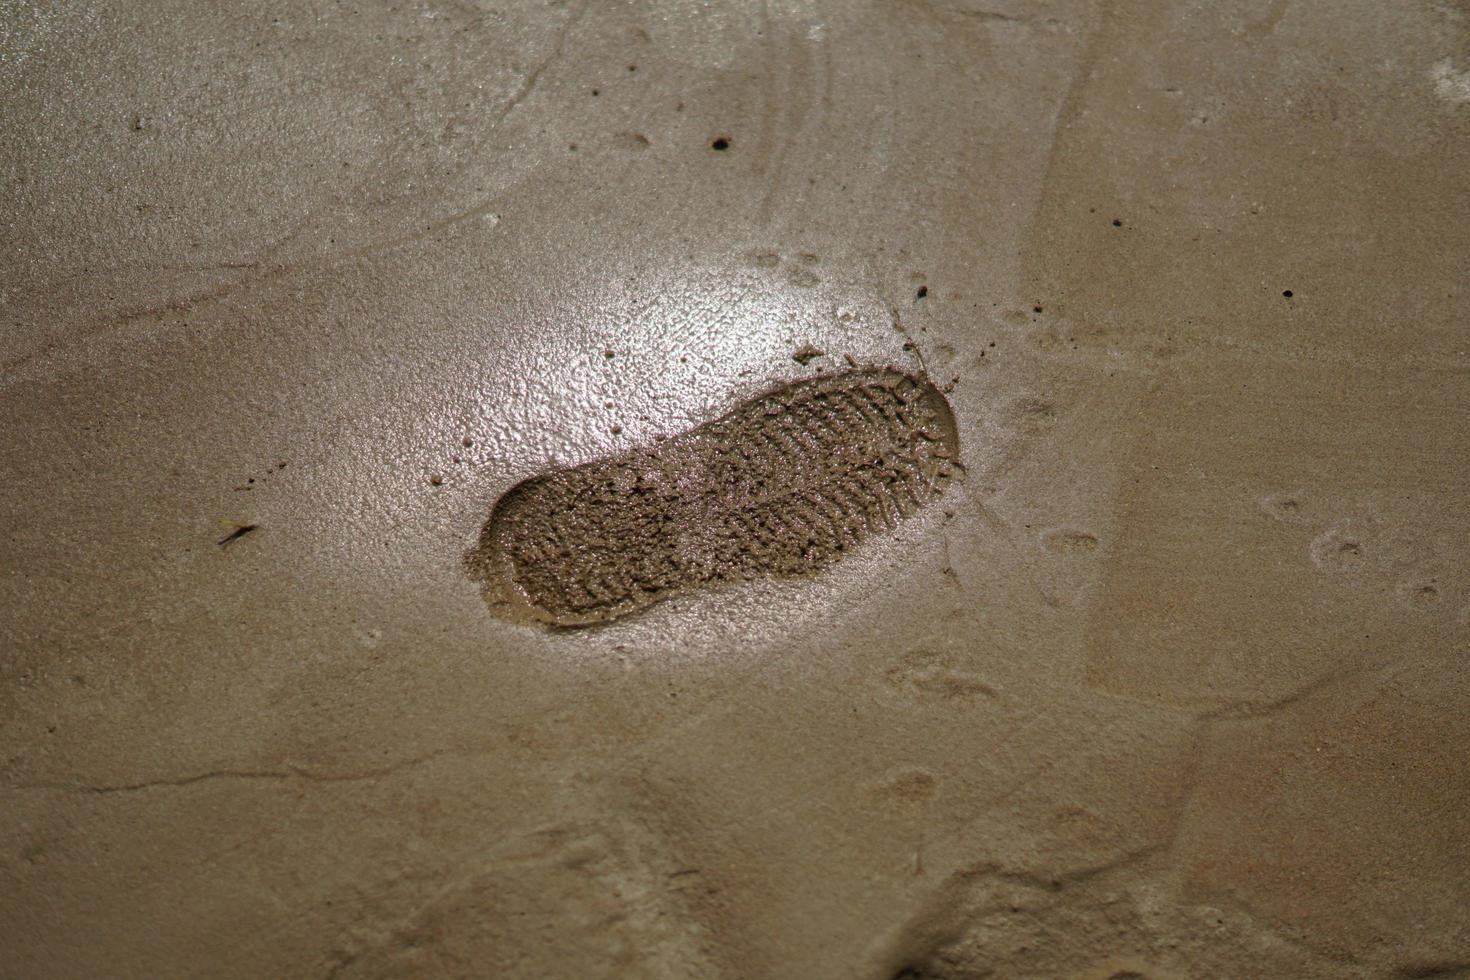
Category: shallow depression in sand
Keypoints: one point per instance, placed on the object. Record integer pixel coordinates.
(783, 485)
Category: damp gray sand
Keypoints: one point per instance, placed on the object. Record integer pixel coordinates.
(782, 486)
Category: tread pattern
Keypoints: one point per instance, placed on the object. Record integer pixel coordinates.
(784, 485)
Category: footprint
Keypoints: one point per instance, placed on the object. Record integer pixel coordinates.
(1067, 540)
(631, 141)
(798, 271)
(782, 486)
(909, 786)
(1284, 507)
(802, 278)
(930, 676)
(1034, 414)
(1337, 550)
(1418, 595)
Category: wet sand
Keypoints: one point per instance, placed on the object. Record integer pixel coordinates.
(1174, 683)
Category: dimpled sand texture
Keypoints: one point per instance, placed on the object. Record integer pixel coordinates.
(782, 486)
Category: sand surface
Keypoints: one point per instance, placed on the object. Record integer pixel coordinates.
(1175, 683)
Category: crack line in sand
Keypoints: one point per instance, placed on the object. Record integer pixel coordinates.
(290, 772)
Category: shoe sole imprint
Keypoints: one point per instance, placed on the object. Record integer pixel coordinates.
(782, 486)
